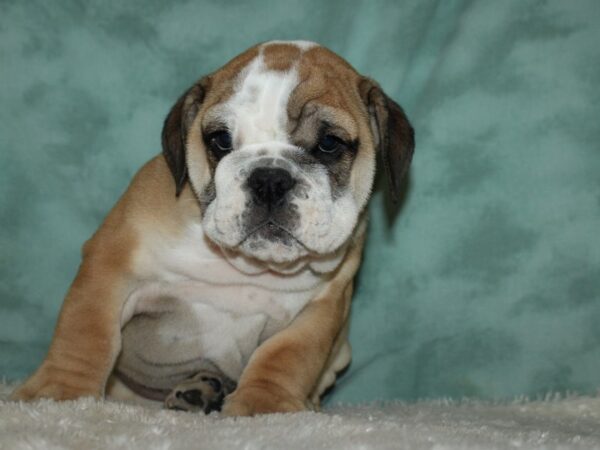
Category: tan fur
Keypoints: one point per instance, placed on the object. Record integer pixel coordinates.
(290, 370)
(281, 56)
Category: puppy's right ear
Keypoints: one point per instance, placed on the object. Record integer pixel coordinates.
(175, 131)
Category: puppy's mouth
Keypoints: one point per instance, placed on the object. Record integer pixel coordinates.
(271, 231)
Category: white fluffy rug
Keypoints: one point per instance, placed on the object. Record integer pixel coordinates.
(86, 424)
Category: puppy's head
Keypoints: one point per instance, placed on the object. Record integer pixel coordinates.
(279, 146)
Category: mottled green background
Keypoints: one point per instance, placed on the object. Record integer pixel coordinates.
(488, 281)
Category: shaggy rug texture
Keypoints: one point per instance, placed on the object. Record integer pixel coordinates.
(572, 423)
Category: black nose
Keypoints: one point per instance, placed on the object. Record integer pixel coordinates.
(269, 185)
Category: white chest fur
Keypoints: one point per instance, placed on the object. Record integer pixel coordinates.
(219, 307)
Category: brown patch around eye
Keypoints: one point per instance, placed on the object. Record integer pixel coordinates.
(339, 173)
(307, 134)
(212, 127)
(338, 132)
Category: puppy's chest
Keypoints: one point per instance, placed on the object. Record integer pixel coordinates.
(204, 308)
(213, 302)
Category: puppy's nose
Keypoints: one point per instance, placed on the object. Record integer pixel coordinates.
(270, 184)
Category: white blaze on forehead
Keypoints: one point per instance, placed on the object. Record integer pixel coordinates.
(258, 106)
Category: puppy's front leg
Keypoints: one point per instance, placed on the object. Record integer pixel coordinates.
(284, 370)
(86, 341)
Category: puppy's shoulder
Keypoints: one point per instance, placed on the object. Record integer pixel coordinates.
(148, 205)
(153, 178)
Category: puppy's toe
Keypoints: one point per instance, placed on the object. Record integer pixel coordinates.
(192, 397)
(214, 383)
(203, 392)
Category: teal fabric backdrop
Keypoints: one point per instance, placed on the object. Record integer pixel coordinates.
(487, 281)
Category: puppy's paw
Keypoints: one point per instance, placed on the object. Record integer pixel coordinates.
(253, 400)
(205, 392)
(46, 384)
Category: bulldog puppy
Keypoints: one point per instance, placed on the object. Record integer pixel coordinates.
(230, 258)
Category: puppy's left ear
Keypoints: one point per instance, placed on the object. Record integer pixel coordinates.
(394, 136)
(175, 131)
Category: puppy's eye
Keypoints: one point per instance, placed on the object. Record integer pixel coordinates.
(329, 144)
(221, 141)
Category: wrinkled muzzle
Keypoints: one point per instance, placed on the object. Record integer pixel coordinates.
(270, 208)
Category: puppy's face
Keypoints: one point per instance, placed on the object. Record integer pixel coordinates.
(279, 145)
